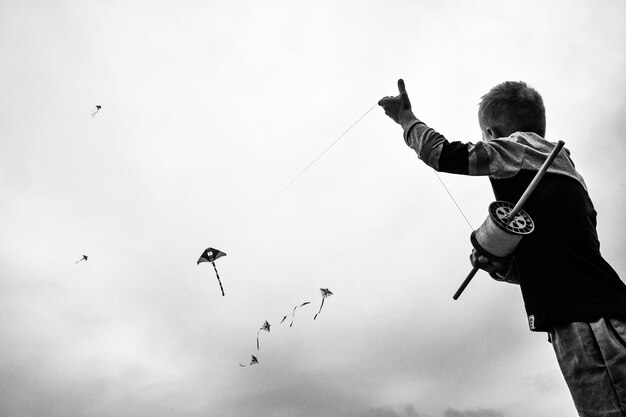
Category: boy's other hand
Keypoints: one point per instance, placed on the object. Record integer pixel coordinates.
(398, 107)
(487, 264)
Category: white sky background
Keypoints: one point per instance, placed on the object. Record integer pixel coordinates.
(208, 110)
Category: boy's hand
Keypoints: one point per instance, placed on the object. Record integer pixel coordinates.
(494, 268)
(398, 107)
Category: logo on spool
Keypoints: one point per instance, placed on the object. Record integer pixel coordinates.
(521, 224)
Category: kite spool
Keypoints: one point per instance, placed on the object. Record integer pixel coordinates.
(498, 236)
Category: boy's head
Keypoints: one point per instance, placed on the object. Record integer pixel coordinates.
(511, 107)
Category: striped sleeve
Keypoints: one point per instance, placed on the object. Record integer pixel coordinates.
(498, 158)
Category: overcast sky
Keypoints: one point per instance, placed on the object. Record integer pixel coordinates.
(208, 110)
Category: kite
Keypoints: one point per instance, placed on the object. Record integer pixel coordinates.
(84, 258)
(253, 361)
(210, 255)
(95, 111)
(325, 293)
(266, 327)
(294, 311)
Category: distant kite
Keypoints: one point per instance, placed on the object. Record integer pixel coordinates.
(266, 327)
(84, 258)
(294, 311)
(95, 111)
(210, 255)
(325, 293)
(253, 361)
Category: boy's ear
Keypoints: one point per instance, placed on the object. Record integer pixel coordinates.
(493, 132)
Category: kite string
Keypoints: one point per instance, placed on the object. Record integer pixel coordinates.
(453, 200)
(333, 144)
(315, 160)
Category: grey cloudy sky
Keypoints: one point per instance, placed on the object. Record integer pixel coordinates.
(208, 110)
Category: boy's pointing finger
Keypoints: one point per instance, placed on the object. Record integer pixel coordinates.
(401, 86)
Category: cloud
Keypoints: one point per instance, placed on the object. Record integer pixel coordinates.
(473, 413)
(408, 411)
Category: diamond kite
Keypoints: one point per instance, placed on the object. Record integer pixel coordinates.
(266, 327)
(210, 255)
(95, 111)
(253, 361)
(84, 258)
(325, 293)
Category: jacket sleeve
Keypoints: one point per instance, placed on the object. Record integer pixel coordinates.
(497, 158)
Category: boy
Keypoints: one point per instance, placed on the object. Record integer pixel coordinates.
(569, 290)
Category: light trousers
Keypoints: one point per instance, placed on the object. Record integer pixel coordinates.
(592, 357)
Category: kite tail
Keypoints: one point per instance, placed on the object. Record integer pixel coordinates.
(218, 278)
(292, 315)
(322, 305)
(257, 340)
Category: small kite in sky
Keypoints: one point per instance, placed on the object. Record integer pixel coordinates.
(294, 311)
(84, 258)
(325, 293)
(210, 255)
(95, 111)
(253, 361)
(266, 327)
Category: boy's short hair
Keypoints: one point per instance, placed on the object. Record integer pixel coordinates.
(513, 107)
